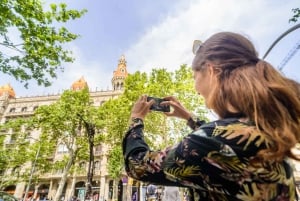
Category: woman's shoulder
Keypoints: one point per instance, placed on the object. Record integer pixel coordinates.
(227, 123)
(235, 132)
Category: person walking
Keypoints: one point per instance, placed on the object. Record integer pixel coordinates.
(245, 153)
(151, 192)
(134, 196)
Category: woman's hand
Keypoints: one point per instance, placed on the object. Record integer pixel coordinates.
(178, 109)
(141, 107)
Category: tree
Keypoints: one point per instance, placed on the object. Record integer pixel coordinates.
(159, 130)
(16, 165)
(296, 15)
(62, 123)
(32, 39)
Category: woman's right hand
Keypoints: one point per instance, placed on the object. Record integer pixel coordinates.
(178, 109)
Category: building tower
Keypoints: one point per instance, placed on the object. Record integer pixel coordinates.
(119, 75)
(79, 84)
(6, 93)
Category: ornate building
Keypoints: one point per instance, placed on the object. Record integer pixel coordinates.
(13, 107)
(120, 74)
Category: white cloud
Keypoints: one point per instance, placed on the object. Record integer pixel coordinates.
(169, 43)
(92, 71)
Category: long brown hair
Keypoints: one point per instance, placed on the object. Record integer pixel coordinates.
(255, 89)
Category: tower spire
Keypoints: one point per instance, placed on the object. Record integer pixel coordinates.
(120, 74)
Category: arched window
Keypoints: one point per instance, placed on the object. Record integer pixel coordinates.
(24, 109)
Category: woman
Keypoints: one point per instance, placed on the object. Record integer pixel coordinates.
(244, 154)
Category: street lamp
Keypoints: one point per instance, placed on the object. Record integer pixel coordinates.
(90, 128)
(32, 170)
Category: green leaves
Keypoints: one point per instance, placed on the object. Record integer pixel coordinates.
(62, 124)
(160, 131)
(115, 162)
(37, 49)
(296, 15)
(61, 132)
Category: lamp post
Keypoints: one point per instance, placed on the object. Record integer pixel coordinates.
(32, 171)
(91, 133)
(90, 128)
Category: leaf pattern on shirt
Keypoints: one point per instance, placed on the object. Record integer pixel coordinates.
(215, 163)
(184, 172)
(246, 133)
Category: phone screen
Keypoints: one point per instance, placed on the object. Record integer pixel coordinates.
(156, 106)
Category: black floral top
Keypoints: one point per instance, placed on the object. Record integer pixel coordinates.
(214, 161)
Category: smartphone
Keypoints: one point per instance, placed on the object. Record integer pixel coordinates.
(156, 106)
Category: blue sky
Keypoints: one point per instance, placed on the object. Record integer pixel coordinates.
(159, 34)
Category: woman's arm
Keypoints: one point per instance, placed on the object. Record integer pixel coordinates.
(201, 155)
(140, 162)
(144, 164)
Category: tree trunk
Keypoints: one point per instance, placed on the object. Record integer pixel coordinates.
(64, 177)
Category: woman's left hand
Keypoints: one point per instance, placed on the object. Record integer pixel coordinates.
(178, 109)
(141, 107)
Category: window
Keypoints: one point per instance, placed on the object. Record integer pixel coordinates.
(60, 171)
(97, 165)
(12, 109)
(13, 139)
(3, 131)
(24, 109)
(62, 148)
(98, 149)
(82, 165)
(16, 170)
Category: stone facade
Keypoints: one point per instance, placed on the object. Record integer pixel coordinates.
(102, 187)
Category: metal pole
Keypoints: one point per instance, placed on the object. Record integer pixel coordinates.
(31, 172)
(91, 133)
(280, 37)
(90, 129)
